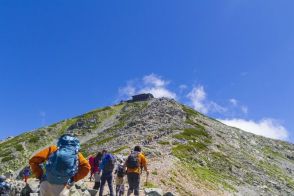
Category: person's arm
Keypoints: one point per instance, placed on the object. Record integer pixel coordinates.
(144, 163)
(40, 158)
(84, 168)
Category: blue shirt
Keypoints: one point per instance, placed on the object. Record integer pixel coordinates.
(103, 163)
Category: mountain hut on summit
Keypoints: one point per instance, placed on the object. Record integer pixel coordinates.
(141, 97)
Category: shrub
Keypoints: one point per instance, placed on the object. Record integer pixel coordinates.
(34, 139)
(19, 147)
(8, 158)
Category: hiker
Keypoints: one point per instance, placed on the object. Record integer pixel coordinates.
(134, 162)
(91, 162)
(26, 173)
(9, 174)
(107, 166)
(64, 166)
(97, 161)
(119, 180)
(4, 186)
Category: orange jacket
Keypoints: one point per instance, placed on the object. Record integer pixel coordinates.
(143, 163)
(42, 156)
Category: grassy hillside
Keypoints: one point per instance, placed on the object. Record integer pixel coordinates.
(189, 153)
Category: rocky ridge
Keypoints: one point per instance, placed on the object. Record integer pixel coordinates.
(189, 153)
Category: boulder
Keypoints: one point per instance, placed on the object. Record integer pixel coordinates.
(73, 191)
(92, 192)
(86, 193)
(34, 185)
(168, 194)
(153, 192)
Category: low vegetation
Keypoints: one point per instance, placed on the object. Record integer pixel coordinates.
(117, 151)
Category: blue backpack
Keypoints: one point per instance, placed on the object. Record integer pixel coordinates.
(4, 188)
(63, 164)
(109, 163)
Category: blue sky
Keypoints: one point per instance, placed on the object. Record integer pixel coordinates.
(232, 60)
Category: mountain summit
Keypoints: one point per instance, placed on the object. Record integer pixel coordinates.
(189, 153)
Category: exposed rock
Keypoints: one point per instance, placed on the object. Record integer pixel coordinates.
(92, 192)
(189, 153)
(153, 192)
(168, 194)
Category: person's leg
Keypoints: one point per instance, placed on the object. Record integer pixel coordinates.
(91, 175)
(119, 186)
(97, 181)
(116, 190)
(59, 190)
(130, 182)
(96, 185)
(103, 181)
(136, 184)
(116, 185)
(110, 184)
(121, 190)
(47, 189)
(64, 192)
(44, 188)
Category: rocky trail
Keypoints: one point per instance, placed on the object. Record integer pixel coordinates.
(189, 153)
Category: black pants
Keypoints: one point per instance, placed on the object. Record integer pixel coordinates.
(105, 178)
(120, 190)
(134, 183)
(96, 185)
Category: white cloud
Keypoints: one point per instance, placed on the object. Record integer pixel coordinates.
(159, 92)
(183, 87)
(267, 127)
(127, 91)
(244, 109)
(214, 107)
(198, 100)
(197, 97)
(154, 80)
(233, 101)
(152, 83)
(236, 107)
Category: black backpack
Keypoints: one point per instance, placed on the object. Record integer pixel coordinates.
(133, 160)
(121, 172)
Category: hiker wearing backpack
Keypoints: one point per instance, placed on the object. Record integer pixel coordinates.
(91, 162)
(119, 180)
(107, 167)
(64, 166)
(133, 163)
(26, 173)
(4, 186)
(96, 163)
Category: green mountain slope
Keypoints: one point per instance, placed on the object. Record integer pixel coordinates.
(189, 153)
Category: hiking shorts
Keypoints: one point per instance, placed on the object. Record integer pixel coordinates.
(97, 177)
(47, 189)
(134, 183)
(119, 180)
